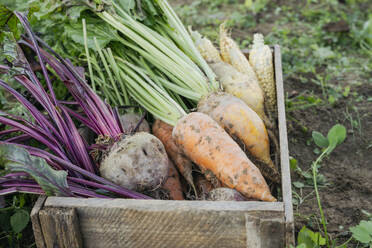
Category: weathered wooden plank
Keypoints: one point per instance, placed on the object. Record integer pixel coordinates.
(284, 153)
(38, 234)
(70, 202)
(186, 224)
(60, 227)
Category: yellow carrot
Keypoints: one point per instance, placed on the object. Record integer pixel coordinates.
(239, 85)
(243, 123)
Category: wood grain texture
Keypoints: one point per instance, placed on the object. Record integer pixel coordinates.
(60, 227)
(71, 202)
(186, 224)
(284, 153)
(38, 233)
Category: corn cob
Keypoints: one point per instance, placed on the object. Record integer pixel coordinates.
(261, 60)
(208, 51)
(206, 48)
(241, 63)
(232, 54)
(225, 44)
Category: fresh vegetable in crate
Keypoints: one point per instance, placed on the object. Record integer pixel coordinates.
(241, 82)
(261, 59)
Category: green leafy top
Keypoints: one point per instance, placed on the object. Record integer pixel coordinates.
(18, 159)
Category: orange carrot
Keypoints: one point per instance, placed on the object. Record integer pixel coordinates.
(242, 123)
(163, 131)
(210, 147)
(173, 184)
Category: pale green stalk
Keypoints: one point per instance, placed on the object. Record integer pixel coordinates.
(179, 90)
(162, 97)
(147, 93)
(146, 100)
(119, 100)
(159, 79)
(157, 88)
(87, 55)
(314, 169)
(157, 40)
(177, 74)
(174, 65)
(115, 68)
(171, 45)
(188, 44)
(178, 99)
(101, 81)
(149, 107)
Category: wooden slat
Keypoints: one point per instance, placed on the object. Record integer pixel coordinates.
(284, 153)
(71, 202)
(60, 227)
(38, 234)
(186, 224)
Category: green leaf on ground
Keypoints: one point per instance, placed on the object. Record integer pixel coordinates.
(293, 163)
(19, 220)
(309, 238)
(363, 232)
(336, 135)
(320, 140)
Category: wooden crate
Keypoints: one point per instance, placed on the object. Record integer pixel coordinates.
(75, 222)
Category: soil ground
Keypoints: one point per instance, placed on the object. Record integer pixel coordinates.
(347, 171)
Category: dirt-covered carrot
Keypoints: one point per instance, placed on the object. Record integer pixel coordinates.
(173, 184)
(243, 123)
(208, 145)
(163, 131)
